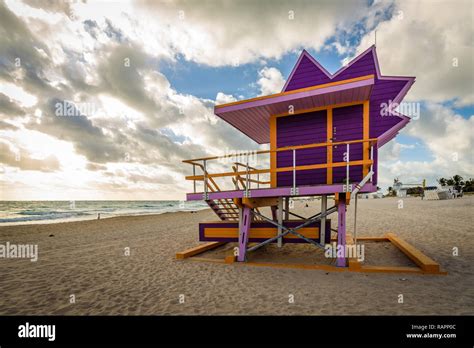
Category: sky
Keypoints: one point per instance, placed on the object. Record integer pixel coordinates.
(139, 80)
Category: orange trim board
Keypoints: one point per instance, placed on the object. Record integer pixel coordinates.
(258, 232)
(329, 148)
(198, 250)
(366, 129)
(320, 108)
(281, 169)
(306, 89)
(273, 155)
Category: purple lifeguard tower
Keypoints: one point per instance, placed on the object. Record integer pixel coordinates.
(324, 132)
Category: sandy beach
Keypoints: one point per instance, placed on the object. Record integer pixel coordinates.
(88, 259)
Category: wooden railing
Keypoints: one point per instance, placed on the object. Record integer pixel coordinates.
(242, 179)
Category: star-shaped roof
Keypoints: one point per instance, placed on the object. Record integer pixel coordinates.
(387, 92)
(311, 86)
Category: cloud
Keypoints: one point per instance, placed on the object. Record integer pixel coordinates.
(445, 135)
(223, 98)
(121, 72)
(21, 54)
(219, 33)
(429, 40)
(87, 138)
(9, 108)
(95, 166)
(448, 136)
(271, 81)
(51, 6)
(20, 159)
(7, 126)
(140, 128)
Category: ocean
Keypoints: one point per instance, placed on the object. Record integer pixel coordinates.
(28, 212)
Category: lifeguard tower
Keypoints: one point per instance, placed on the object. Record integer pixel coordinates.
(324, 132)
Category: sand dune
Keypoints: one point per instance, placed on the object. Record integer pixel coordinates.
(86, 259)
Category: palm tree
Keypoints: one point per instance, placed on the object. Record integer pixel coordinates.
(442, 181)
(458, 182)
(469, 185)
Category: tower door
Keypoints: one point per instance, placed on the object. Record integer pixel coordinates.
(302, 129)
(347, 125)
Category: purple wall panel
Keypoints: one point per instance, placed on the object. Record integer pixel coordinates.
(381, 93)
(347, 125)
(302, 129)
(303, 177)
(311, 128)
(355, 174)
(364, 66)
(307, 74)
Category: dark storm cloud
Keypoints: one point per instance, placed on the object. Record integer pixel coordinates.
(162, 149)
(88, 139)
(91, 27)
(121, 75)
(73, 70)
(113, 33)
(9, 108)
(156, 179)
(19, 53)
(120, 69)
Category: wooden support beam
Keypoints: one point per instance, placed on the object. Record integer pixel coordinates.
(297, 266)
(230, 259)
(354, 266)
(353, 262)
(373, 239)
(388, 269)
(260, 202)
(424, 262)
(347, 195)
(238, 202)
(198, 250)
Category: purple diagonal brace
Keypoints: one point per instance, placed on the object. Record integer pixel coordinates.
(244, 230)
(341, 231)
